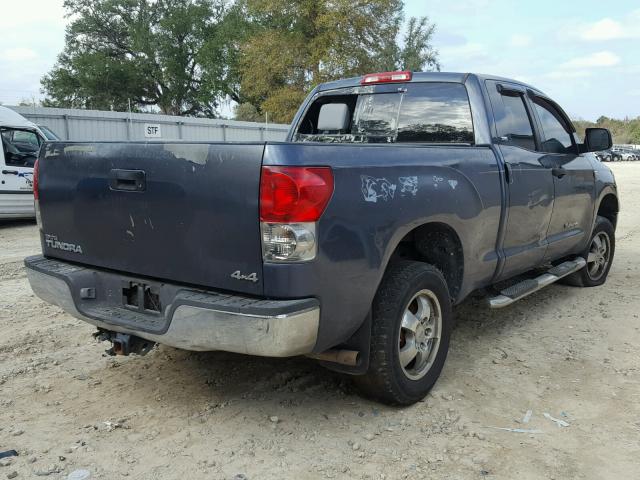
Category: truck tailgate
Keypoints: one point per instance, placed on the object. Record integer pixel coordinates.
(186, 212)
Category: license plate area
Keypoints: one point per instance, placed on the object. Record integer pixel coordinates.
(141, 297)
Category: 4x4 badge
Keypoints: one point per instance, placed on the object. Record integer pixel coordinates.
(252, 277)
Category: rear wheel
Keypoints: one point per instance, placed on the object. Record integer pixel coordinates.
(599, 256)
(410, 334)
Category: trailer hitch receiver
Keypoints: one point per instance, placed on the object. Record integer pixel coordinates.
(124, 344)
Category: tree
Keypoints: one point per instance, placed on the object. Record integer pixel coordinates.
(417, 53)
(296, 44)
(28, 102)
(176, 55)
(625, 131)
(247, 113)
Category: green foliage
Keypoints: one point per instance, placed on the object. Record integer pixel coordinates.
(247, 113)
(173, 54)
(417, 53)
(625, 131)
(28, 102)
(297, 44)
(185, 56)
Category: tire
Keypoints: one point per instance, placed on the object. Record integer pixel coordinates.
(407, 287)
(590, 276)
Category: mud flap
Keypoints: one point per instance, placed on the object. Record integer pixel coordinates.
(360, 341)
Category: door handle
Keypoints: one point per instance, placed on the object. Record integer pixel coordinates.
(10, 172)
(127, 180)
(558, 172)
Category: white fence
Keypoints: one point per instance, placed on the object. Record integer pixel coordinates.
(98, 125)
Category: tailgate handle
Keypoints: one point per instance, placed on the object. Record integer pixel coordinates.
(127, 180)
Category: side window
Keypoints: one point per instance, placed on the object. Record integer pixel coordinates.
(517, 125)
(20, 147)
(26, 137)
(557, 137)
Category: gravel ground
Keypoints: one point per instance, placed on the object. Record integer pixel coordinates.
(567, 352)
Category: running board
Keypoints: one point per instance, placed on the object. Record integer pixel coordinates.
(527, 287)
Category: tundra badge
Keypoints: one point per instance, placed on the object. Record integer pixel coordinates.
(52, 242)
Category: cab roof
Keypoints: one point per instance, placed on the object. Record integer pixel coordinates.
(451, 77)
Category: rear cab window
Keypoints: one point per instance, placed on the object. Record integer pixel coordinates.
(433, 112)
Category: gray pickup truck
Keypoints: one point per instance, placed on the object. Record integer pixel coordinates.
(395, 196)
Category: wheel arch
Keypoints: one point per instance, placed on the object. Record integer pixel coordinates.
(609, 207)
(438, 244)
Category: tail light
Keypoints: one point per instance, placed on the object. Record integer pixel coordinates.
(386, 77)
(36, 192)
(294, 194)
(292, 199)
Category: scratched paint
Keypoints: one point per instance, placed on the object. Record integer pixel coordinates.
(375, 188)
(408, 185)
(192, 152)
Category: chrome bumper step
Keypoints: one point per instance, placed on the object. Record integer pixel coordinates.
(527, 287)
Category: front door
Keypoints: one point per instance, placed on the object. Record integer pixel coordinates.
(19, 151)
(573, 178)
(529, 183)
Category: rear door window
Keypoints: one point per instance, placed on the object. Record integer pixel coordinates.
(516, 127)
(412, 113)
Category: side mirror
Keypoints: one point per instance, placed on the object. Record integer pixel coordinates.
(597, 139)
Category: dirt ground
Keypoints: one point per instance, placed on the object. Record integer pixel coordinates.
(571, 353)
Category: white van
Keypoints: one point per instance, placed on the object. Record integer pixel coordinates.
(21, 141)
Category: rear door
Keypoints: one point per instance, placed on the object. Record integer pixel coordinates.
(573, 179)
(181, 212)
(529, 181)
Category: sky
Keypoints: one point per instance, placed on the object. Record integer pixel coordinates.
(585, 54)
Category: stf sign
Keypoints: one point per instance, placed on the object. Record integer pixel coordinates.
(152, 130)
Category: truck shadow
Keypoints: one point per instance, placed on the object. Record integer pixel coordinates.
(26, 222)
(202, 384)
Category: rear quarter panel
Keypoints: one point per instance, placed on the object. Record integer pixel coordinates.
(383, 192)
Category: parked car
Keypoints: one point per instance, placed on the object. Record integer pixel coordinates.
(604, 156)
(624, 154)
(633, 153)
(395, 196)
(21, 141)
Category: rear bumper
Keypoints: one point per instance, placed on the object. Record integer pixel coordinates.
(190, 319)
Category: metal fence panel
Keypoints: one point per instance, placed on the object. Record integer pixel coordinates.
(97, 125)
